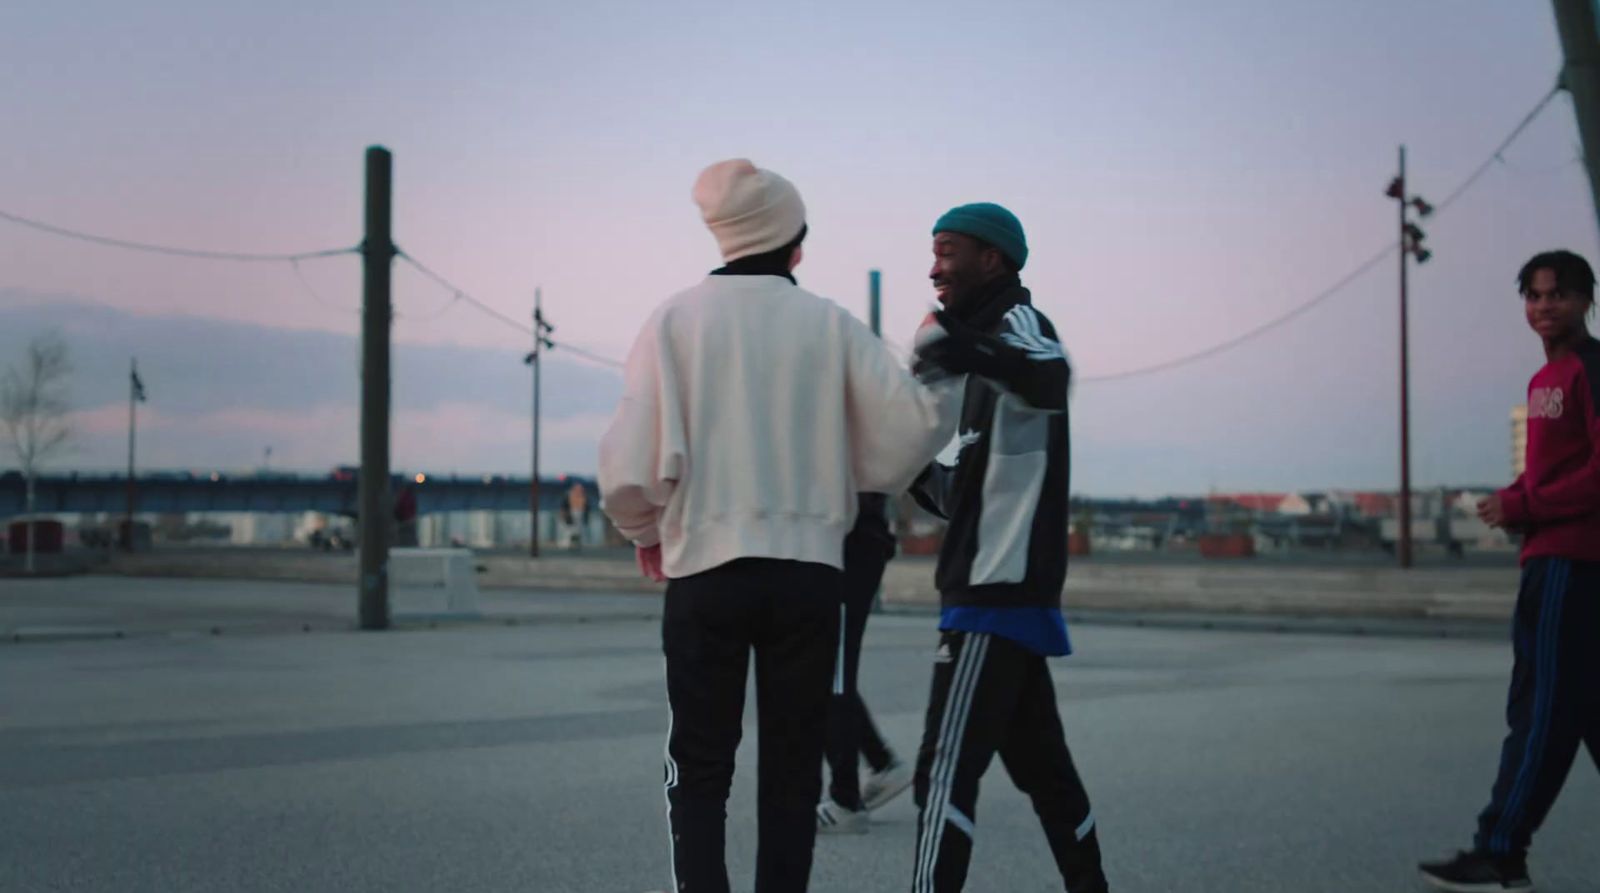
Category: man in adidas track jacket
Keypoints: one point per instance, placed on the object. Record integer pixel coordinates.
(1003, 562)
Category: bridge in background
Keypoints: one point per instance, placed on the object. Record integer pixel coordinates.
(336, 493)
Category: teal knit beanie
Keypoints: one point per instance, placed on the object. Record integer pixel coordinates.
(991, 223)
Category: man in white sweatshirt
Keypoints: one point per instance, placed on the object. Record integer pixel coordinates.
(752, 414)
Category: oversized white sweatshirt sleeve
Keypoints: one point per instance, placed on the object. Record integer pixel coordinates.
(643, 450)
(898, 424)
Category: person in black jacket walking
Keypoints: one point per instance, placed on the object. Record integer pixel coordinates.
(852, 737)
(1003, 561)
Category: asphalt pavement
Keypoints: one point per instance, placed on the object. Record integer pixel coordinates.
(489, 757)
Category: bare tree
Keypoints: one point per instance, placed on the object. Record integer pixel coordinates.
(33, 412)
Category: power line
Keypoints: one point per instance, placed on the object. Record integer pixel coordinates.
(458, 295)
(436, 313)
(589, 355)
(1542, 170)
(461, 294)
(196, 253)
(1262, 329)
(305, 284)
(1348, 278)
(431, 315)
(1504, 145)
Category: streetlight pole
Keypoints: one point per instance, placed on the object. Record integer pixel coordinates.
(135, 397)
(1411, 237)
(541, 340)
(1404, 544)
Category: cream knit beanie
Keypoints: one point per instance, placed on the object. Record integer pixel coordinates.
(749, 210)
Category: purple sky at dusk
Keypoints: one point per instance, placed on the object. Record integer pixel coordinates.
(1184, 171)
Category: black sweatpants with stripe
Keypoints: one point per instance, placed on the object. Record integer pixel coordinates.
(1554, 704)
(991, 695)
(787, 614)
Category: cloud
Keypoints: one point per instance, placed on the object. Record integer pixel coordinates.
(221, 393)
(469, 437)
(1305, 409)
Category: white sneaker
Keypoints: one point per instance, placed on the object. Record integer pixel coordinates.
(835, 819)
(878, 788)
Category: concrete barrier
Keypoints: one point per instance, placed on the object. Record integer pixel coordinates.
(1262, 586)
(432, 583)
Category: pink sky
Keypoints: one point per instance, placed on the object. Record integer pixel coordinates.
(1183, 172)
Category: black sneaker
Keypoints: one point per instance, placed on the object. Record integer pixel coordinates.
(1475, 872)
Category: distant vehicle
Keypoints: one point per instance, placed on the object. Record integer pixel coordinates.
(97, 536)
(329, 540)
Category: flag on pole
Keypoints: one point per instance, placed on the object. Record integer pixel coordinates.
(138, 386)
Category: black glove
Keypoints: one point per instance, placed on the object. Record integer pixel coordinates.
(963, 351)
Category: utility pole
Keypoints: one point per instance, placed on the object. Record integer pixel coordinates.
(135, 397)
(541, 339)
(377, 258)
(1411, 237)
(1580, 76)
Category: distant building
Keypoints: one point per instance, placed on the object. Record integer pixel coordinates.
(1375, 505)
(1519, 439)
(1298, 505)
(1255, 503)
(1295, 504)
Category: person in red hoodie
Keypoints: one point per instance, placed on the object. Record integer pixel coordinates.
(1554, 705)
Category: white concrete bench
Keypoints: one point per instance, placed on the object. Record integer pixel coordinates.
(432, 583)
